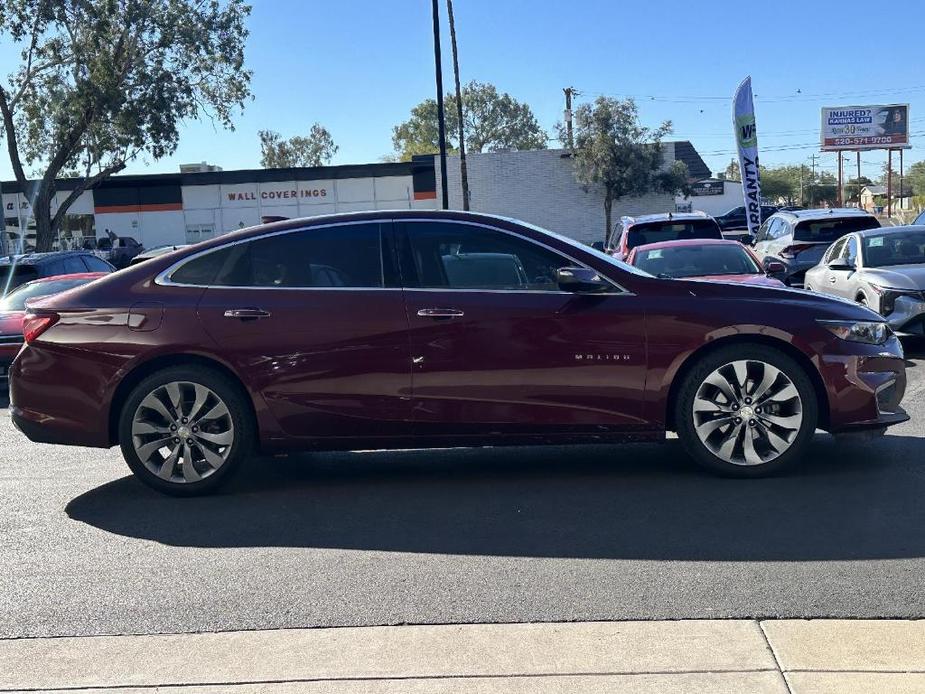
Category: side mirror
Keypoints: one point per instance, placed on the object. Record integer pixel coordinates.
(581, 280)
(840, 264)
(775, 268)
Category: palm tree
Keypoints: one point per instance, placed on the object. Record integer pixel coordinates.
(463, 173)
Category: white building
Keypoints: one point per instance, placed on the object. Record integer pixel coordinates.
(202, 201)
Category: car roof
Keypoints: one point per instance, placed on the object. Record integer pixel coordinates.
(71, 276)
(688, 242)
(889, 230)
(822, 213)
(36, 258)
(664, 217)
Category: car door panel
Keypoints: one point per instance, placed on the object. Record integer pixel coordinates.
(329, 361)
(516, 362)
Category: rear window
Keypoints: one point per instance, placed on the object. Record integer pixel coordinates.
(13, 276)
(16, 300)
(653, 232)
(829, 230)
(697, 261)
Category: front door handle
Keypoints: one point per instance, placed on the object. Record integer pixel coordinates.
(440, 313)
(246, 313)
(832, 280)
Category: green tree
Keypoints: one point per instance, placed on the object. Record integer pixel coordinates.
(492, 121)
(317, 149)
(777, 184)
(101, 82)
(616, 154)
(732, 171)
(916, 177)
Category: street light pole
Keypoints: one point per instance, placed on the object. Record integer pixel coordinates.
(441, 118)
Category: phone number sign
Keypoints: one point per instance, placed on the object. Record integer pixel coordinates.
(865, 127)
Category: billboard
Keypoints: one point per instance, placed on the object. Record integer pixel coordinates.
(865, 127)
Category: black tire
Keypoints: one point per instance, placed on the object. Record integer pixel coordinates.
(239, 411)
(695, 377)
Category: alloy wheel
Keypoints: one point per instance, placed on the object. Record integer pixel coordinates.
(182, 432)
(747, 412)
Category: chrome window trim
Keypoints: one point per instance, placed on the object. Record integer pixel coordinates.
(163, 277)
(622, 290)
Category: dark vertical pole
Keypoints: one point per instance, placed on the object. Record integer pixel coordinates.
(441, 118)
(889, 183)
(568, 116)
(900, 182)
(840, 199)
(859, 177)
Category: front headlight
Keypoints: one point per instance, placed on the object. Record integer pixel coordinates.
(868, 332)
(889, 295)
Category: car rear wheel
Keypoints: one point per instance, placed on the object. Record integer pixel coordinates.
(185, 430)
(746, 411)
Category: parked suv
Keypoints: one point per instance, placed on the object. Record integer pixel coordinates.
(654, 228)
(442, 329)
(799, 238)
(19, 269)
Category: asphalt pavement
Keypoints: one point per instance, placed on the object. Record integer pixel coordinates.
(451, 536)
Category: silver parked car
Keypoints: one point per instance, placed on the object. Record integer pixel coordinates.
(880, 268)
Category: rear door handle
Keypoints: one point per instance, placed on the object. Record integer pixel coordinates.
(246, 313)
(440, 313)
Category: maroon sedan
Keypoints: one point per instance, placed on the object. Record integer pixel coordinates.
(13, 310)
(704, 259)
(425, 328)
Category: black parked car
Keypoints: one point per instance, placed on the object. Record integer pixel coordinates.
(736, 218)
(19, 269)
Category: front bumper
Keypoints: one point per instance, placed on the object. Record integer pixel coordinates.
(865, 384)
(908, 316)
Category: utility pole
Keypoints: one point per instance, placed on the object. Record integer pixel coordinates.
(840, 200)
(463, 167)
(859, 178)
(569, 93)
(801, 185)
(812, 183)
(889, 183)
(441, 117)
(900, 183)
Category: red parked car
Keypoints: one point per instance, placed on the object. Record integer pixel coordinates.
(704, 259)
(437, 328)
(13, 310)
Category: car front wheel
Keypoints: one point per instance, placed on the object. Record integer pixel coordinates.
(185, 430)
(746, 411)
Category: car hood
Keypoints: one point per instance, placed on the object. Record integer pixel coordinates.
(897, 276)
(811, 304)
(760, 280)
(11, 323)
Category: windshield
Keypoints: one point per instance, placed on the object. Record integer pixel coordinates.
(894, 248)
(829, 230)
(696, 261)
(653, 232)
(16, 300)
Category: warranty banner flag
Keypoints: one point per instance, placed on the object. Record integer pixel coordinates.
(747, 141)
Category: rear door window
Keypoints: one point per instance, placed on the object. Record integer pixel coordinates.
(654, 232)
(830, 230)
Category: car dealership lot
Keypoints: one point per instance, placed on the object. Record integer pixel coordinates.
(527, 534)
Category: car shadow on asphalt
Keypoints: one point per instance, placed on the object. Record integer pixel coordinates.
(849, 501)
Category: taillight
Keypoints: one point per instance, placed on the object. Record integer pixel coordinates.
(33, 325)
(791, 252)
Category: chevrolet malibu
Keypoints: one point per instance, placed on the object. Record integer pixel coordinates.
(423, 328)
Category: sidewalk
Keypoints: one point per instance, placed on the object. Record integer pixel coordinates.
(716, 656)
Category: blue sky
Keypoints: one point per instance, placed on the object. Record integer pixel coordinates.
(358, 66)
